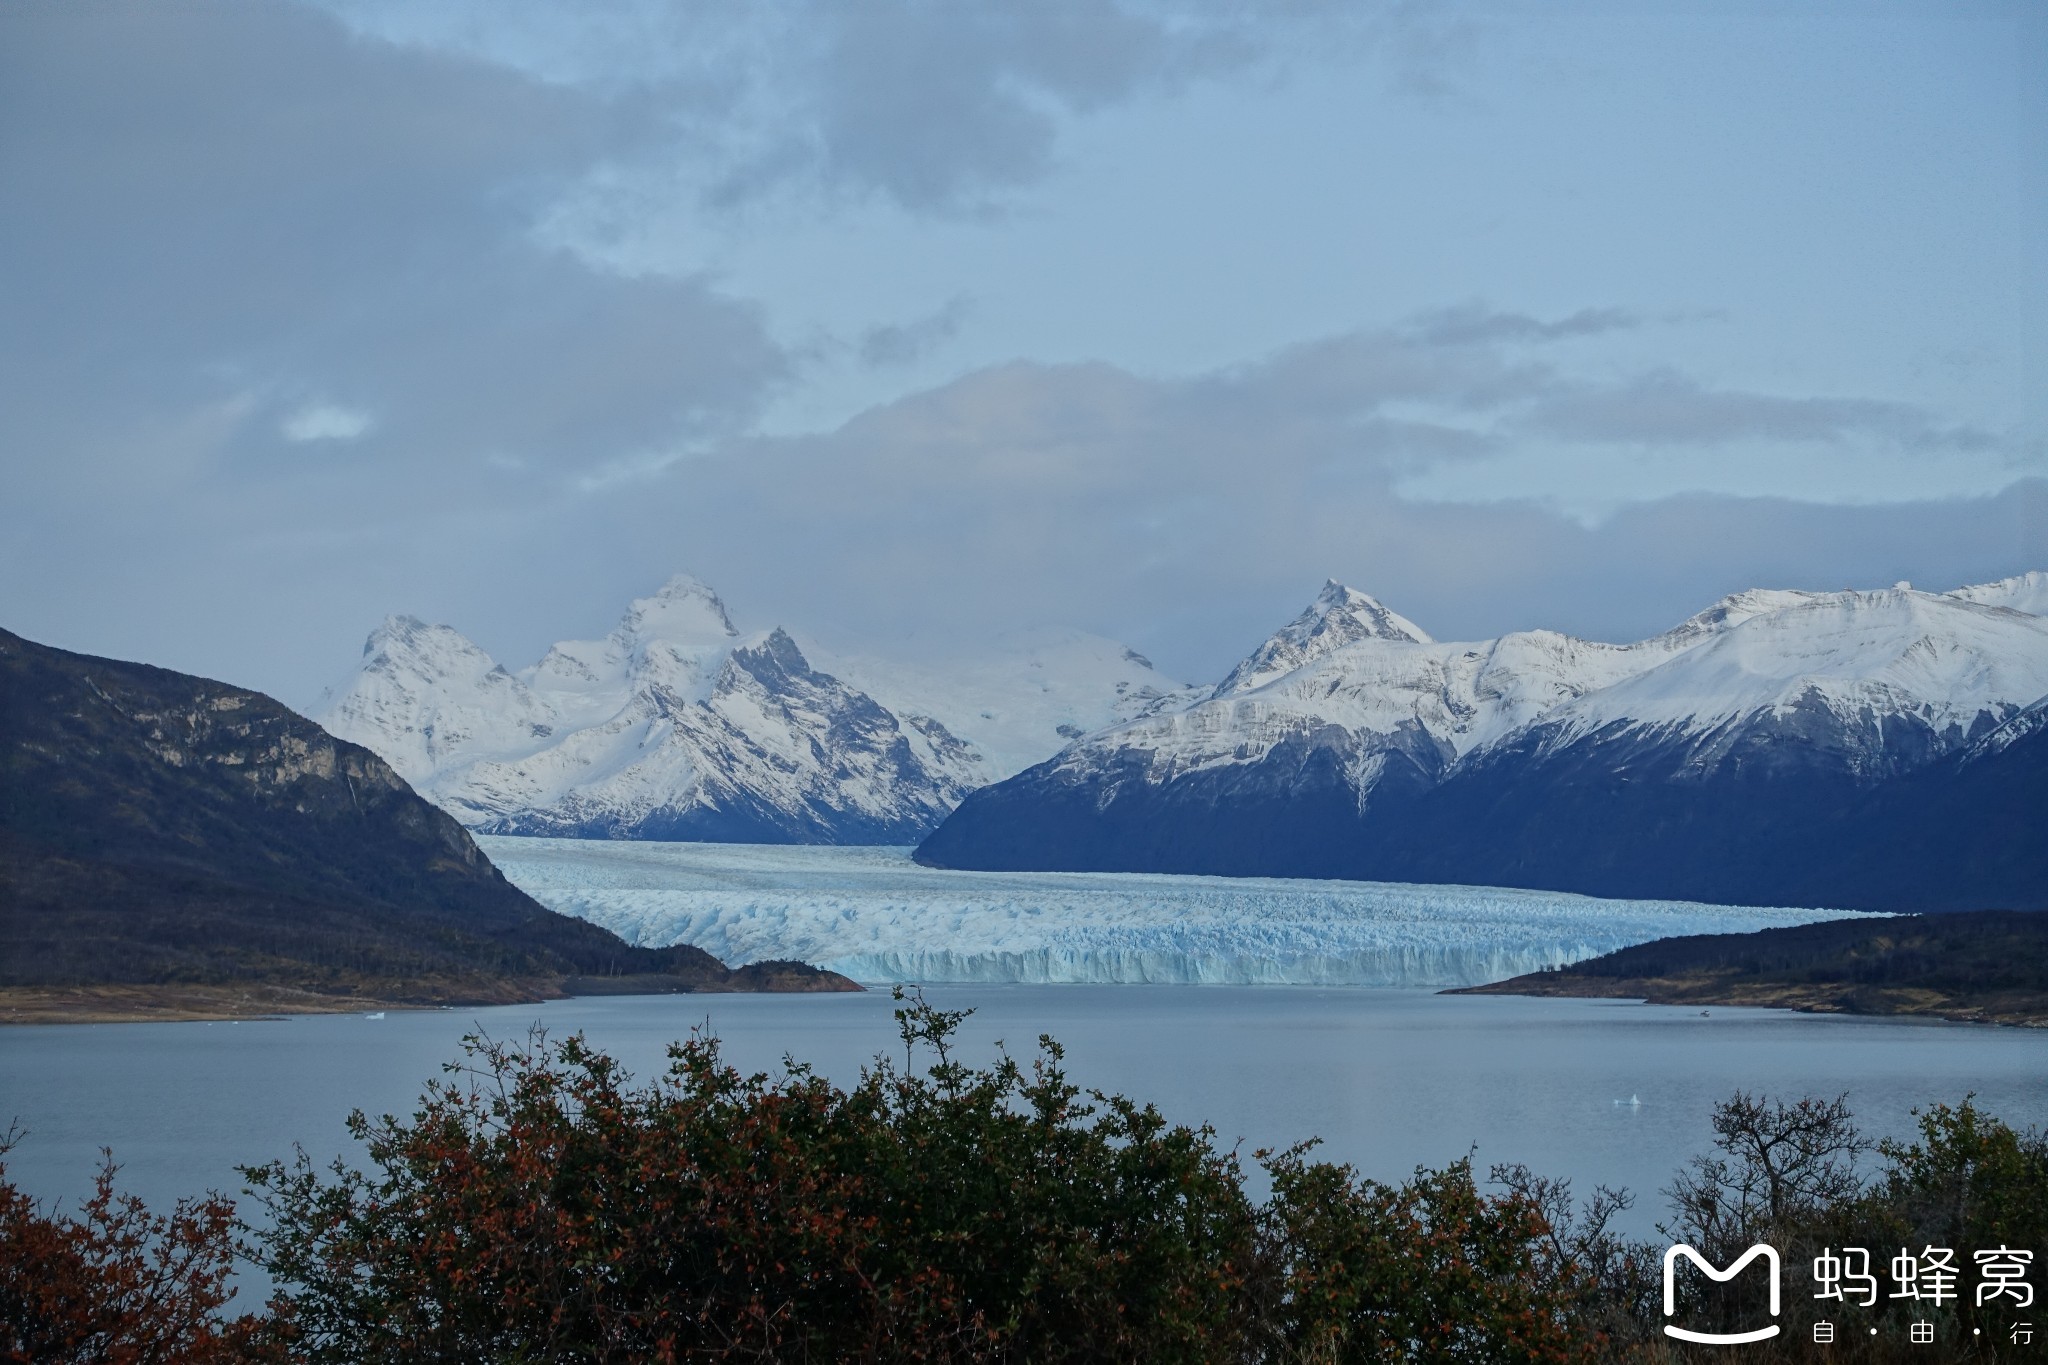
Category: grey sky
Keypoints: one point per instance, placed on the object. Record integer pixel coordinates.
(907, 323)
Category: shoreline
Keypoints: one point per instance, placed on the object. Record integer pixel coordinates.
(1971, 967)
(1799, 998)
(34, 1006)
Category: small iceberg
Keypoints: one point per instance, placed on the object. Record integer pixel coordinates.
(378, 1015)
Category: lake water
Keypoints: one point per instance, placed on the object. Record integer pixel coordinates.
(1389, 1078)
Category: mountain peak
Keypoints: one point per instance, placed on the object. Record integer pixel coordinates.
(680, 585)
(1369, 612)
(770, 657)
(1338, 617)
(683, 610)
(396, 627)
(410, 638)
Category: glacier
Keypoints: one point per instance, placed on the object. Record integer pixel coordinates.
(871, 913)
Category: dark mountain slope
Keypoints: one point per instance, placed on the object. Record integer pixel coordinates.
(1968, 831)
(1789, 824)
(162, 828)
(1293, 815)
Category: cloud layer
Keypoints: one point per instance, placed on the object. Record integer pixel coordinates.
(927, 105)
(286, 347)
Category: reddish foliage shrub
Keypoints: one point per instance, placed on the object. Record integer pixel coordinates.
(541, 1205)
(119, 1284)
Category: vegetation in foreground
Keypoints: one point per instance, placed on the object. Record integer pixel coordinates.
(541, 1205)
(1985, 966)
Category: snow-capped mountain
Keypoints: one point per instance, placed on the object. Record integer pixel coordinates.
(677, 726)
(2026, 592)
(1338, 617)
(1352, 679)
(1351, 744)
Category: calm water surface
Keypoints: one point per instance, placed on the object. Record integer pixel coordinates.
(1388, 1078)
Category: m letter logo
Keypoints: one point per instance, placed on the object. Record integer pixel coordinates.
(1770, 1255)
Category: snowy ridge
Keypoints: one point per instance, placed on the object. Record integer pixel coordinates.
(1944, 660)
(1946, 666)
(2030, 722)
(2027, 592)
(1867, 750)
(457, 704)
(675, 725)
(874, 915)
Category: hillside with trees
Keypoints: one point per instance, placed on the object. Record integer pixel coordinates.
(174, 845)
(1986, 966)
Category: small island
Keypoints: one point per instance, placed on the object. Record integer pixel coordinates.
(1985, 966)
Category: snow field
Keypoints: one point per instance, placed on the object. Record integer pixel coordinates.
(875, 916)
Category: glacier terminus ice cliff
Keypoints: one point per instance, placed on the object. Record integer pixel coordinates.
(873, 915)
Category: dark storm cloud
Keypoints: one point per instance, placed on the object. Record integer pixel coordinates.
(240, 210)
(939, 106)
(934, 106)
(275, 332)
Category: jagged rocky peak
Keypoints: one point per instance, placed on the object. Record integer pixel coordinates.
(770, 659)
(683, 611)
(674, 725)
(1338, 617)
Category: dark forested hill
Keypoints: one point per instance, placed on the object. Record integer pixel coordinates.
(1989, 965)
(1617, 819)
(162, 829)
